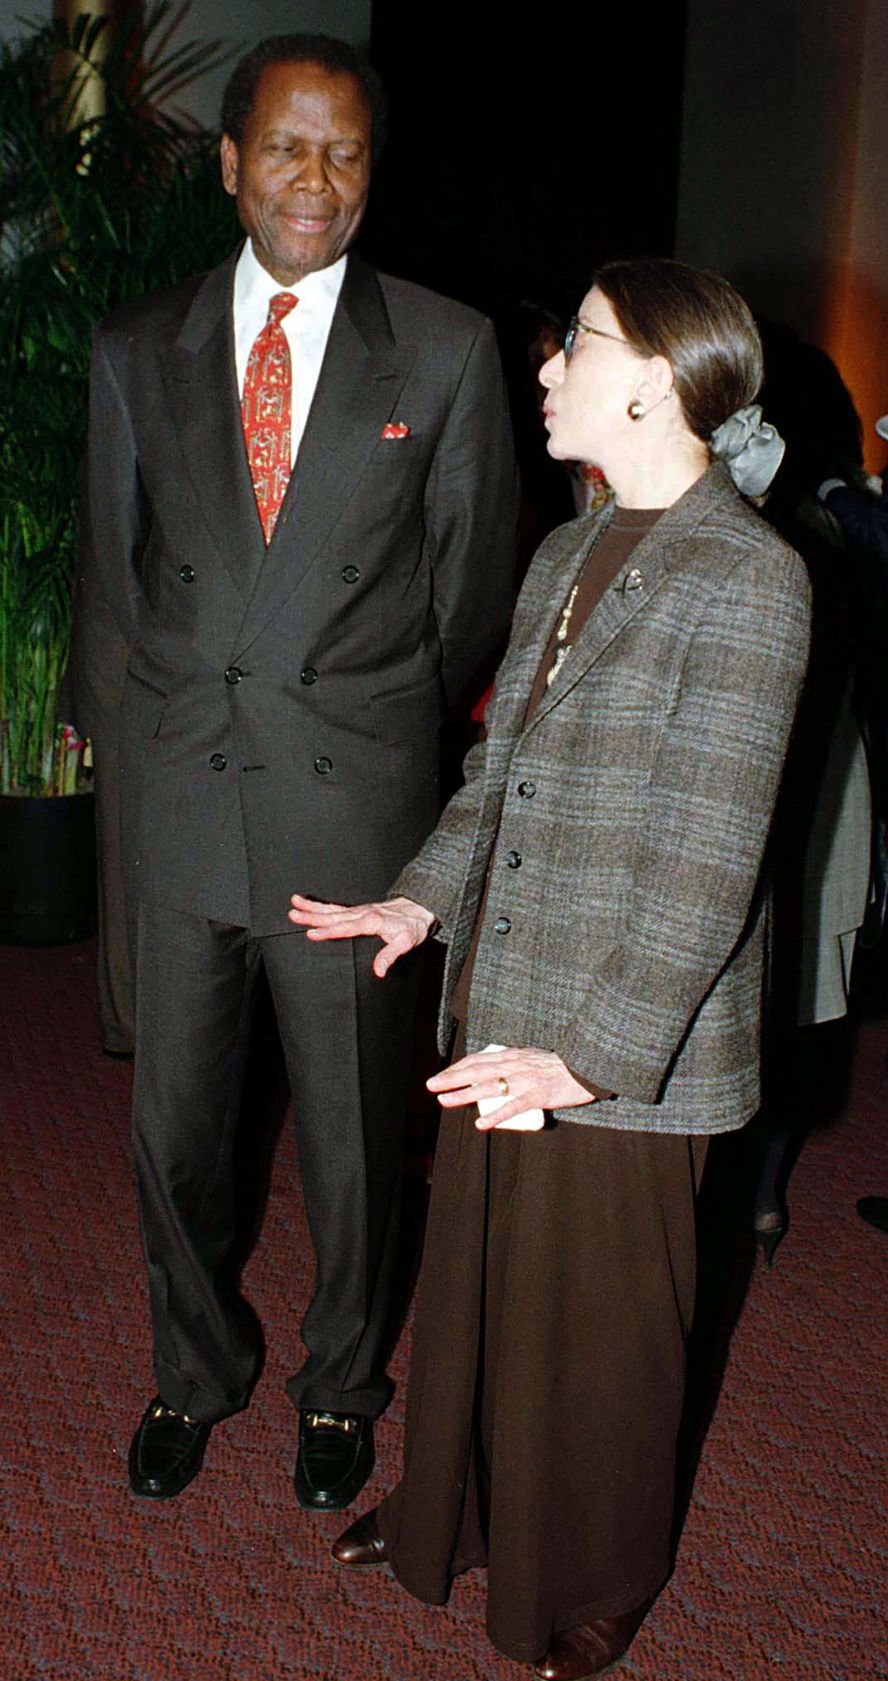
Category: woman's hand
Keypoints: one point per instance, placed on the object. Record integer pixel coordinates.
(535, 1080)
(399, 923)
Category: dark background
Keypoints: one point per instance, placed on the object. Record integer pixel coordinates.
(520, 158)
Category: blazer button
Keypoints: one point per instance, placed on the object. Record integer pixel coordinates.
(323, 766)
(350, 574)
(634, 580)
(218, 761)
(233, 674)
(308, 676)
(186, 573)
(527, 790)
(513, 859)
(502, 924)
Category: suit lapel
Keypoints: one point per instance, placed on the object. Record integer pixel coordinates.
(633, 588)
(635, 585)
(532, 629)
(201, 383)
(361, 380)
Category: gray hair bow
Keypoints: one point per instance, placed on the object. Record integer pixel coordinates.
(751, 449)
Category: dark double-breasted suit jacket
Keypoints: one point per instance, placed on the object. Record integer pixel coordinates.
(279, 732)
(281, 707)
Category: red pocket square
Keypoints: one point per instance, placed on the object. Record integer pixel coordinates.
(395, 429)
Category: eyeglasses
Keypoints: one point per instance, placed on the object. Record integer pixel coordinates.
(578, 326)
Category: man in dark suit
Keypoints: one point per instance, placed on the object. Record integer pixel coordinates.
(301, 501)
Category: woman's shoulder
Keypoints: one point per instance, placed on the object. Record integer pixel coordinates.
(718, 530)
(563, 549)
(573, 536)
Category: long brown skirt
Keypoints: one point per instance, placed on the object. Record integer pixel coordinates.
(547, 1374)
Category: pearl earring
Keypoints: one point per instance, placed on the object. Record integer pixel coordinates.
(637, 411)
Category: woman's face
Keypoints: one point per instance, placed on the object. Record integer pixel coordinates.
(589, 394)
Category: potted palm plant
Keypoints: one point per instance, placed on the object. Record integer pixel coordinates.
(94, 209)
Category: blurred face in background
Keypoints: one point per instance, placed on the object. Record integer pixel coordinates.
(545, 345)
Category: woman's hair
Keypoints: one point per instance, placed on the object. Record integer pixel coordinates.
(699, 323)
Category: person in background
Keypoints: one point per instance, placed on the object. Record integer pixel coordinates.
(861, 509)
(821, 847)
(599, 884)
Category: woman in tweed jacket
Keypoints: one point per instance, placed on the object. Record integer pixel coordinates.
(598, 882)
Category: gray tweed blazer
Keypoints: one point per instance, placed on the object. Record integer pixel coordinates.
(626, 825)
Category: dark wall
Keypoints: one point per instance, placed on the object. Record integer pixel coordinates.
(517, 161)
(784, 164)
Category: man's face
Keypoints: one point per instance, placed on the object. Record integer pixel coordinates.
(302, 171)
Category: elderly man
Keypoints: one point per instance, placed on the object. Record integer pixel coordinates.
(302, 507)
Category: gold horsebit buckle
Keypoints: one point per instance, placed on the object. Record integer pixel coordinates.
(347, 1425)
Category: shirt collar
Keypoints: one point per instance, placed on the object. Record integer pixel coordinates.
(317, 292)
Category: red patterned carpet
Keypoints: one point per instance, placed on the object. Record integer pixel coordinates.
(781, 1570)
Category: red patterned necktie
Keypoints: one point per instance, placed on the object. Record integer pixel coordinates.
(266, 408)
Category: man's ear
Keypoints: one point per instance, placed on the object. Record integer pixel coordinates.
(228, 156)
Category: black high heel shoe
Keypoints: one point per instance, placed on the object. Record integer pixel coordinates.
(769, 1227)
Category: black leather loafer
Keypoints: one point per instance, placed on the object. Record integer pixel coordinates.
(334, 1461)
(360, 1547)
(166, 1452)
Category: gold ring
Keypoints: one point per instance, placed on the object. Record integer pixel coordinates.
(503, 1084)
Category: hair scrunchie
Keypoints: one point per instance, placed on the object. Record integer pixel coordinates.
(751, 449)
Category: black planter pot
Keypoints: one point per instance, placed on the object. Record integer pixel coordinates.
(47, 869)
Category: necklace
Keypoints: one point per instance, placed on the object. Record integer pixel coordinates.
(562, 646)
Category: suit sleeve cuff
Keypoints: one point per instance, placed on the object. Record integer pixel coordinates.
(598, 1092)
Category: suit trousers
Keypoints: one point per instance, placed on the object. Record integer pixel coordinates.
(115, 985)
(347, 1040)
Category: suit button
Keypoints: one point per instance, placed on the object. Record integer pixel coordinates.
(218, 761)
(502, 924)
(513, 859)
(233, 674)
(350, 574)
(186, 573)
(323, 766)
(308, 676)
(527, 790)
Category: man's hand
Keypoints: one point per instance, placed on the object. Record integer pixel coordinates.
(535, 1080)
(399, 923)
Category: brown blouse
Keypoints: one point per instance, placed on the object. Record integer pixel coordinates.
(602, 561)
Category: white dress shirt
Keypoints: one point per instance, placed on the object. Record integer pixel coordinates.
(307, 326)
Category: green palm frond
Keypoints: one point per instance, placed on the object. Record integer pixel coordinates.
(93, 213)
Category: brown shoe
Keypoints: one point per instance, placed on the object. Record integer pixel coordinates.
(360, 1547)
(590, 1649)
